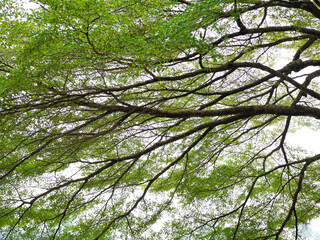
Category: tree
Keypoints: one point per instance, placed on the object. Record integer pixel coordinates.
(158, 119)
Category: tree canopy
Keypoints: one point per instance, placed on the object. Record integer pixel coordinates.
(158, 119)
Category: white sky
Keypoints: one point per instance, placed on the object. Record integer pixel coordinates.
(307, 139)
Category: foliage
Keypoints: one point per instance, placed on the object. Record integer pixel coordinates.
(162, 119)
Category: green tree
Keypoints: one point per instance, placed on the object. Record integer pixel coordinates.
(157, 119)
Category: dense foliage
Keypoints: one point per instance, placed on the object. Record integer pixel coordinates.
(157, 119)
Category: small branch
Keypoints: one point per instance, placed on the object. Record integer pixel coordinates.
(184, 2)
(303, 48)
